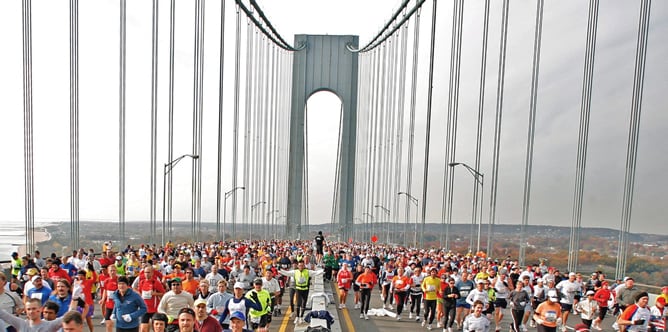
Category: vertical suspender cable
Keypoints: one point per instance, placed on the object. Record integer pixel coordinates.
(382, 137)
(362, 144)
(583, 137)
(497, 122)
(451, 131)
(235, 131)
(403, 49)
(121, 125)
(267, 194)
(170, 131)
(197, 119)
(247, 119)
(28, 125)
(272, 112)
(481, 107)
(195, 126)
(532, 129)
(154, 117)
(197, 163)
(272, 143)
(430, 93)
(634, 132)
(74, 122)
(373, 143)
(337, 175)
(411, 126)
(219, 170)
(394, 161)
(254, 133)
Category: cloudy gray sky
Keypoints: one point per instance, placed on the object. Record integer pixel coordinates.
(558, 107)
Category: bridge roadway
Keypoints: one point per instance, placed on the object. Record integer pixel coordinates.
(347, 320)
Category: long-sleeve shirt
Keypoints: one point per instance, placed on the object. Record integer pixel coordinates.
(131, 304)
(209, 324)
(477, 324)
(215, 305)
(26, 326)
(588, 309)
(450, 296)
(366, 280)
(171, 303)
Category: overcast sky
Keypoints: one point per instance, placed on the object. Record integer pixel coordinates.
(558, 108)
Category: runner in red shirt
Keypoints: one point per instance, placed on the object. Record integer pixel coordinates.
(56, 273)
(86, 285)
(151, 290)
(344, 280)
(109, 286)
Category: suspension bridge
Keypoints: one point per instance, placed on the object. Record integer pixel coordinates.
(540, 103)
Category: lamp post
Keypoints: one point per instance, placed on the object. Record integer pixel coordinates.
(277, 223)
(168, 168)
(479, 178)
(269, 222)
(234, 228)
(372, 228)
(361, 222)
(414, 200)
(387, 212)
(250, 230)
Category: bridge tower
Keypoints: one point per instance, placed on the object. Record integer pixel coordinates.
(324, 64)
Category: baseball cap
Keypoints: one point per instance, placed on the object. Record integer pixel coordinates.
(661, 300)
(200, 301)
(572, 274)
(119, 258)
(238, 315)
(35, 278)
(664, 288)
(177, 279)
(591, 292)
(539, 280)
(239, 284)
(257, 281)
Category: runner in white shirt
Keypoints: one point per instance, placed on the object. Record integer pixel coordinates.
(568, 288)
(478, 294)
(502, 290)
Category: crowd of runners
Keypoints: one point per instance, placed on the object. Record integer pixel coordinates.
(239, 286)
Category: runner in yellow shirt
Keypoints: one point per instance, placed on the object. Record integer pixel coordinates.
(430, 286)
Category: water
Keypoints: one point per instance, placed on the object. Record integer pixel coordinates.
(13, 236)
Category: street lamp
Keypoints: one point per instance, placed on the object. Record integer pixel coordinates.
(250, 224)
(414, 200)
(360, 222)
(168, 168)
(372, 228)
(387, 211)
(269, 222)
(479, 178)
(234, 228)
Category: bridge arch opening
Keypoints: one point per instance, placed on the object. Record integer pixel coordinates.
(323, 135)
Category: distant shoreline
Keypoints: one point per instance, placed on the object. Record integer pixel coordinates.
(41, 235)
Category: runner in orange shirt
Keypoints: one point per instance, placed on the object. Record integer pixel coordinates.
(400, 286)
(366, 281)
(190, 284)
